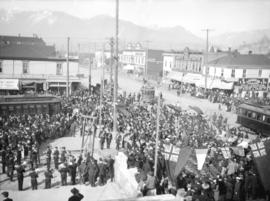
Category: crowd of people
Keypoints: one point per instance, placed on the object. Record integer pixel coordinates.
(223, 178)
(23, 136)
(227, 98)
(233, 178)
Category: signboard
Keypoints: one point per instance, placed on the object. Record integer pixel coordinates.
(9, 84)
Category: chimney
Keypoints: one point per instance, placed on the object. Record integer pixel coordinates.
(235, 53)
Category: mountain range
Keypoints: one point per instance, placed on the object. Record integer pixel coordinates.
(54, 27)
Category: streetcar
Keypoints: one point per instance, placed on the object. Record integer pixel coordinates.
(255, 117)
(148, 94)
(29, 105)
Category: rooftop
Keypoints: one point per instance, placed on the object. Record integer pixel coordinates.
(6, 40)
(27, 48)
(236, 59)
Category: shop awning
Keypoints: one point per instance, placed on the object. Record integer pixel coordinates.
(192, 78)
(128, 67)
(214, 84)
(175, 75)
(219, 84)
(9, 84)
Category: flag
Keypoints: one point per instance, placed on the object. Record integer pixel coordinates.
(261, 156)
(238, 151)
(167, 151)
(183, 157)
(226, 152)
(171, 154)
(201, 155)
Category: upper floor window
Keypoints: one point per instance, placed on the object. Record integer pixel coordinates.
(59, 69)
(1, 66)
(260, 73)
(25, 67)
(233, 73)
(244, 73)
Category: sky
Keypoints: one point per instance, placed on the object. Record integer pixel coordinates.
(221, 16)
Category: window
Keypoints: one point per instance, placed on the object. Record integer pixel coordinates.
(233, 73)
(260, 73)
(25, 67)
(249, 114)
(59, 70)
(1, 66)
(222, 72)
(253, 115)
(244, 73)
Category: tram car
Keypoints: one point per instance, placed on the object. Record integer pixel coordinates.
(29, 105)
(255, 117)
(148, 94)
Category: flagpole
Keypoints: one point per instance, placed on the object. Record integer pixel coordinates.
(157, 134)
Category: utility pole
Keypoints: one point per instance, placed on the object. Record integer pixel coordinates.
(101, 89)
(111, 65)
(157, 133)
(100, 99)
(90, 71)
(116, 69)
(146, 59)
(79, 49)
(206, 57)
(67, 88)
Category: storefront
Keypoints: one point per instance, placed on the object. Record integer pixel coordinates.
(9, 86)
(257, 84)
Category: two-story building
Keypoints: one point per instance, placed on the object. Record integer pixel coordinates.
(147, 62)
(28, 63)
(182, 66)
(247, 71)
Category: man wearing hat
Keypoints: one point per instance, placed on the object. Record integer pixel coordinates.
(20, 170)
(76, 195)
(34, 176)
(56, 157)
(5, 195)
(48, 178)
(48, 157)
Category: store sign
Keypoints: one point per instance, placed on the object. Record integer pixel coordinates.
(9, 84)
(253, 81)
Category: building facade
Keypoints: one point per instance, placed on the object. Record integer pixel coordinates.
(177, 64)
(34, 65)
(248, 71)
(144, 62)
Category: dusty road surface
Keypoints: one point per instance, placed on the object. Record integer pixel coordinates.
(131, 84)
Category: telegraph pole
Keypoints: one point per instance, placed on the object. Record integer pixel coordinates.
(146, 59)
(111, 65)
(67, 88)
(157, 133)
(90, 71)
(206, 57)
(116, 69)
